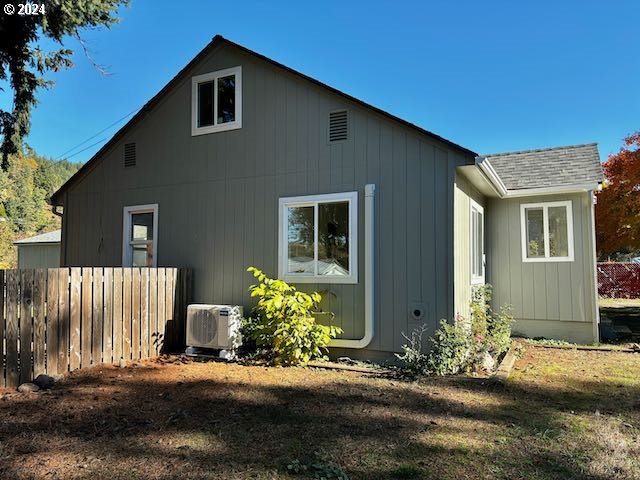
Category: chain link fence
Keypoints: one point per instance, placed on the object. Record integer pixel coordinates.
(618, 280)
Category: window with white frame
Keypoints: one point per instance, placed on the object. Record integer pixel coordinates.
(140, 236)
(216, 101)
(477, 243)
(318, 238)
(547, 232)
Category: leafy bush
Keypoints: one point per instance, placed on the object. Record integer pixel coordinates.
(462, 346)
(412, 358)
(283, 323)
(452, 344)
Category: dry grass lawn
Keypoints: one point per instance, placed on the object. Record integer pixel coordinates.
(564, 414)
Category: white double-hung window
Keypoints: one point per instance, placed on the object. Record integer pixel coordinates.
(477, 243)
(547, 232)
(216, 101)
(140, 236)
(318, 238)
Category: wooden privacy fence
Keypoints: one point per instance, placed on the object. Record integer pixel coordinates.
(61, 319)
(619, 280)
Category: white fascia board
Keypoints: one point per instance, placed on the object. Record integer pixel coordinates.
(485, 166)
(532, 192)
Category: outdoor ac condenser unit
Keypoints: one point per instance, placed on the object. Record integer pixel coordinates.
(215, 327)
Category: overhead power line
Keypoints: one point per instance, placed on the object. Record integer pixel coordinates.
(64, 155)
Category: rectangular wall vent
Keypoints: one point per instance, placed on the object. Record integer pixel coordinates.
(129, 154)
(338, 126)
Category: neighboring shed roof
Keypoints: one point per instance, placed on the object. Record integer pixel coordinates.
(220, 40)
(548, 167)
(49, 237)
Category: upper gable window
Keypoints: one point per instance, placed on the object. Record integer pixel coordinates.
(216, 101)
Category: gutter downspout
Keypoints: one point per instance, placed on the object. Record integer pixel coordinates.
(369, 198)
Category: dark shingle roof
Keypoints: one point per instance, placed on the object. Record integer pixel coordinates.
(548, 167)
(50, 237)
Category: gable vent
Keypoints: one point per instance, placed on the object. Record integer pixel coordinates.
(129, 154)
(338, 126)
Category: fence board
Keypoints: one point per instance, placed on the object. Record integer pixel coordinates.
(13, 285)
(64, 320)
(126, 314)
(39, 324)
(26, 325)
(153, 312)
(162, 316)
(97, 320)
(52, 321)
(107, 332)
(135, 314)
(75, 321)
(117, 314)
(87, 313)
(144, 313)
(2, 329)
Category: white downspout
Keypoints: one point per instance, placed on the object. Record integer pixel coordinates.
(369, 198)
(596, 325)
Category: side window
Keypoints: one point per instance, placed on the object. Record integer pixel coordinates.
(140, 236)
(216, 103)
(547, 232)
(477, 243)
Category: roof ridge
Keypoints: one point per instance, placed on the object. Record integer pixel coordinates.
(535, 150)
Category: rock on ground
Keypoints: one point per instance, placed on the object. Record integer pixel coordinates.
(28, 387)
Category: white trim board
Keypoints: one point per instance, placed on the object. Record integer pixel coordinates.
(476, 280)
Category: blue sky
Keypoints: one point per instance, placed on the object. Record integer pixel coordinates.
(490, 75)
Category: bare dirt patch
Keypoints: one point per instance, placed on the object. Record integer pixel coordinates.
(562, 414)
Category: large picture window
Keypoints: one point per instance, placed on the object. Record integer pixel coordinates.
(318, 238)
(547, 232)
(477, 243)
(216, 101)
(140, 236)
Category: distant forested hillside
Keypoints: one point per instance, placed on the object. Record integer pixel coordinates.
(24, 192)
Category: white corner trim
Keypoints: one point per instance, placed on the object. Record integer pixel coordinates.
(314, 201)
(213, 76)
(596, 309)
(126, 226)
(545, 216)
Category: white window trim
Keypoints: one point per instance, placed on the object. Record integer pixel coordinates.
(523, 231)
(475, 279)
(314, 200)
(207, 77)
(127, 251)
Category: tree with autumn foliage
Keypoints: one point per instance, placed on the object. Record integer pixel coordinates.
(618, 207)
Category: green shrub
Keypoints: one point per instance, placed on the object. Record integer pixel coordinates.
(412, 357)
(283, 323)
(450, 353)
(462, 346)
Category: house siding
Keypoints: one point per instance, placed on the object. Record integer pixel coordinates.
(217, 196)
(464, 193)
(550, 299)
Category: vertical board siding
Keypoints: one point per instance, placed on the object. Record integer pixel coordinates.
(220, 214)
(545, 291)
(62, 319)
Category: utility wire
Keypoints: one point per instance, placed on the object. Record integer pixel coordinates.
(95, 135)
(86, 148)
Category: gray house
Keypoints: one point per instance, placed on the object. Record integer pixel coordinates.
(242, 161)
